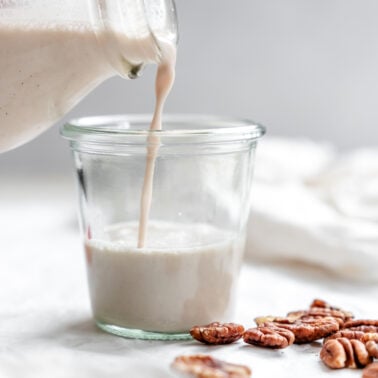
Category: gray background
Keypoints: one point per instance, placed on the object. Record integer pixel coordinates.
(303, 68)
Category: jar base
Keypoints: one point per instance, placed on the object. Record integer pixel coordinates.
(133, 333)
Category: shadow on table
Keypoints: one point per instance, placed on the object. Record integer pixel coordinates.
(83, 335)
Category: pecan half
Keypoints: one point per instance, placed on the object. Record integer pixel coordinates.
(347, 333)
(309, 329)
(364, 328)
(327, 312)
(269, 337)
(362, 323)
(323, 304)
(318, 312)
(342, 352)
(217, 333)
(205, 366)
(371, 371)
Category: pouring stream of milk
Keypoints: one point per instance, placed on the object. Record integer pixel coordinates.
(164, 80)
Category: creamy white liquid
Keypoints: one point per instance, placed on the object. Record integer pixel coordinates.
(186, 277)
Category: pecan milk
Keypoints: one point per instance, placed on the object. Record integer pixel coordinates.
(186, 276)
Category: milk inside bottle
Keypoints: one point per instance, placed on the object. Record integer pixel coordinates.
(53, 53)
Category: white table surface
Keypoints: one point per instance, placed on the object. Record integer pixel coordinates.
(46, 328)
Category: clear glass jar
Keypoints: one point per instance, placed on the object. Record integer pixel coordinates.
(53, 53)
(187, 272)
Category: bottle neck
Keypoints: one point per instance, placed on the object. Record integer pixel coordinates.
(133, 33)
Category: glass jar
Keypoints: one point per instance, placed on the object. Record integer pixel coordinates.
(187, 271)
(53, 53)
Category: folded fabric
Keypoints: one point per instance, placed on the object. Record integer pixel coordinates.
(312, 206)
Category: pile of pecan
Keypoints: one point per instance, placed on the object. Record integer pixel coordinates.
(347, 342)
(355, 345)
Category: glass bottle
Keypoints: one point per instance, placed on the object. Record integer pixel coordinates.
(53, 53)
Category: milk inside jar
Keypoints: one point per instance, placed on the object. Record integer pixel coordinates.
(185, 276)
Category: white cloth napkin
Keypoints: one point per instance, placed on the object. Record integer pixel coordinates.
(313, 206)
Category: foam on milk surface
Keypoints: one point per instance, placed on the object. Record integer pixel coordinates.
(164, 236)
(185, 276)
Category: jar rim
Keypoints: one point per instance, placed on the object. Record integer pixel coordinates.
(117, 129)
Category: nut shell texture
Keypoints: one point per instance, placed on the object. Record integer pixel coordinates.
(217, 333)
(311, 329)
(269, 337)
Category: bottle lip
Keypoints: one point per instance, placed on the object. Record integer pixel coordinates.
(177, 129)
